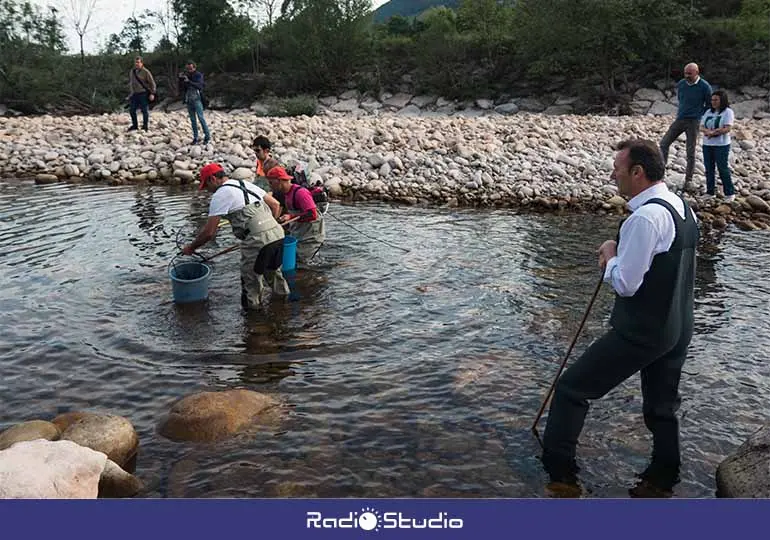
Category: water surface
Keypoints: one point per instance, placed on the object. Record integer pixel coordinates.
(400, 374)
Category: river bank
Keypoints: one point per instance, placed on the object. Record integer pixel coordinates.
(535, 162)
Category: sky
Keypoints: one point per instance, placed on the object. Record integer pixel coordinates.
(108, 18)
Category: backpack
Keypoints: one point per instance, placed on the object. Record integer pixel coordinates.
(318, 190)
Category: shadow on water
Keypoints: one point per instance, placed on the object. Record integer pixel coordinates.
(398, 374)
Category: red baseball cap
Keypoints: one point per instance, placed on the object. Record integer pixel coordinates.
(278, 173)
(208, 172)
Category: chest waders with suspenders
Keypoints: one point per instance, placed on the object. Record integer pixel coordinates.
(261, 247)
(254, 220)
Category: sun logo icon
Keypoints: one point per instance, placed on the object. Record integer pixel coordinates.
(369, 520)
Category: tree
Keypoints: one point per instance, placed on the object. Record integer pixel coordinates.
(211, 29)
(756, 14)
(322, 42)
(81, 13)
(606, 37)
(266, 10)
(25, 22)
(488, 23)
(133, 37)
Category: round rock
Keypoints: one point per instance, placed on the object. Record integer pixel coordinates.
(212, 416)
(29, 431)
(115, 436)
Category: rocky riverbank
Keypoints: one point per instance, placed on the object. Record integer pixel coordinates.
(531, 161)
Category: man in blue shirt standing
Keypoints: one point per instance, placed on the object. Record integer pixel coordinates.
(694, 95)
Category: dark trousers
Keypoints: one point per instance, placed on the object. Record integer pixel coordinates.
(688, 126)
(717, 157)
(139, 101)
(609, 361)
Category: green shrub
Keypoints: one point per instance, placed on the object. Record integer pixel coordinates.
(303, 105)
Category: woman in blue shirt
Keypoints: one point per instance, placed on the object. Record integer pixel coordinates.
(715, 126)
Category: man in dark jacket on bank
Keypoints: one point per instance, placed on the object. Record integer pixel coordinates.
(142, 91)
(191, 87)
(651, 268)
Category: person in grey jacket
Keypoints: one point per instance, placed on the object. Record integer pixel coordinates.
(142, 90)
(192, 84)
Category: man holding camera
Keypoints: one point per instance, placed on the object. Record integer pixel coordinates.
(191, 87)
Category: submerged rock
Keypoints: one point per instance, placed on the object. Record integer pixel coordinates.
(117, 483)
(212, 416)
(29, 431)
(746, 474)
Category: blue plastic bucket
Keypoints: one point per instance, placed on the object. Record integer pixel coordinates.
(289, 253)
(189, 281)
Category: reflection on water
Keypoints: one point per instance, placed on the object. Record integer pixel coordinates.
(400, 374)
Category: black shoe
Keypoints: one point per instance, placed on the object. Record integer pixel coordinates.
(144, 128)
(132, 128)
(194, 142)
(644, 489)
(559, 470)
(656, 481)
(206, 140)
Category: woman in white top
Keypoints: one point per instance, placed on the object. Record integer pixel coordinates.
(715, 126)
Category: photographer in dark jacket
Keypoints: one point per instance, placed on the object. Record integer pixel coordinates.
(191, 87)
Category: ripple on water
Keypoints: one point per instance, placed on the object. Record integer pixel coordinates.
(400, 374)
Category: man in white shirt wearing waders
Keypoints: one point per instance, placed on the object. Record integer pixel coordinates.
(251, 213)
(651, 268)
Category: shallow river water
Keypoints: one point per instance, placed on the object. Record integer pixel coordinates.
(399, 374)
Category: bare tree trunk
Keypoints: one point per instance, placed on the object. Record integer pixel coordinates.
(82, 51)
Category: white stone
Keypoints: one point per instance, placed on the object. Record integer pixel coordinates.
(370, 105)
(423, 101)
(243, 173)
(351, 164)
(747, 109)
(350, 94)
(398, 101)
(649, 94)
(662, 108)
(50, 470)
(348, 105)
(375, 160)
(754, 91)
(409, 110)
(183, 174)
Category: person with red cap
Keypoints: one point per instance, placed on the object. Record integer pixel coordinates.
(308, 224)
(252, 215)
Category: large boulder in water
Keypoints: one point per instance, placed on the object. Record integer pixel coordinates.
(50, 470)
(212, 416)
(746, 474)
(29, 431)
(112, 435)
